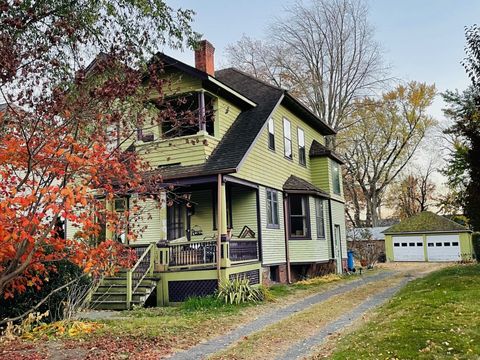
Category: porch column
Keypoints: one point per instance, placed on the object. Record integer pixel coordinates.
(221, 221)
(163, 215)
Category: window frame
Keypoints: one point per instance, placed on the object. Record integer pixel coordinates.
(269, 205)
(271, 134)
(336, 170)
(322, 202)
(302, 155)
(308, 235)
(287, 139)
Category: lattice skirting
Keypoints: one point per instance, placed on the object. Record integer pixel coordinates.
(181, 290)
(252, 275)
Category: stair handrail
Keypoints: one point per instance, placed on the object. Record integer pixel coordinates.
(131, 288)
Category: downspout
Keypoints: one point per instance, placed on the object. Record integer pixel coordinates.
(286, 229)
(219, 225)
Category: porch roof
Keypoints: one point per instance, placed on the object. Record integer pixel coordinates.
(297, 185)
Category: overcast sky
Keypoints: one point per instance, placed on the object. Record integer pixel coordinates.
(423, 39)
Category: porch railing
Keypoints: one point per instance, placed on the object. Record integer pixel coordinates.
(243, 250)
(192, 253)
(143, 267)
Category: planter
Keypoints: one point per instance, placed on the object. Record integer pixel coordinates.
(363, 263)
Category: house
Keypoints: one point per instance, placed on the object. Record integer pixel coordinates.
(428, 237)
(257, 193)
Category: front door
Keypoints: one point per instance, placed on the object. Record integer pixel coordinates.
(175, 221)
(338, 248)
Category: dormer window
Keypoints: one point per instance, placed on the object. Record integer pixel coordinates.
(190, 113)
(271, 134)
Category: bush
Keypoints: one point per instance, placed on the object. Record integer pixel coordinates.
(239, 291)
(56, 304)
(476, 245)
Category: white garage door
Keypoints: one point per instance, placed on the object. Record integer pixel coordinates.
(408, 248)
(443, 247)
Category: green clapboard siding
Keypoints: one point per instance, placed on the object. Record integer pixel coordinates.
(320, 167)
(149, 222)
(273, 240)
(244, 209)
(203, 216)
(338, 218)
(313, 250)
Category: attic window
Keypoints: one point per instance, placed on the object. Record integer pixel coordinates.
(191, 114)
(287, 138)
(271, 134)
(301, 147)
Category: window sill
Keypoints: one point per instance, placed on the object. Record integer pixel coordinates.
(300, 238)
(271, 226)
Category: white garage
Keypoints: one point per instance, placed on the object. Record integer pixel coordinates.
(428, 237)
(443, 247)
(408, 248)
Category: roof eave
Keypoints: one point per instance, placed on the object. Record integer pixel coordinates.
(426, 232)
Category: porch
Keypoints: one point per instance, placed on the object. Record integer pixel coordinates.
(200, 247)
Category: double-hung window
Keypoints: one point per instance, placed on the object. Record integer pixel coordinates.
(336, 178)
(272, 209)
(320, 218)
(301, 147)
(299, 217)
(271, 134)
(287, 138)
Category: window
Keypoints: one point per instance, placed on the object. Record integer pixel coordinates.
(411, 244)
(272, 209)
(438, 244)
(396, 244)
(319, 218)
(419, 244)
(301, 147)
(287, 139)
(446, 244)
(454, 243)
(299, 219)
(404, 244)
(336, 178)
(430, 244)
(271, 134)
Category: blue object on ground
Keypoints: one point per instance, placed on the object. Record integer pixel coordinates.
(350, 263)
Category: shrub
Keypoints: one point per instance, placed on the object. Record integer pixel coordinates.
(57, 304)
(239, 291)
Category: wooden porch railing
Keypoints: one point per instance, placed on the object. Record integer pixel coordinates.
(143, 267)
(243, 250)
(192, 253)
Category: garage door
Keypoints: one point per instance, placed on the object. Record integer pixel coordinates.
(408, 248)
(443, 248)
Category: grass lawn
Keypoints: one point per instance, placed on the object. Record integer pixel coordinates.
(156, 332)
(436, 317)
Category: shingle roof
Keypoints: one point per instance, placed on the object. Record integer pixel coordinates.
(425, 222)
(295, 184)
(3, 107)
(318, 149)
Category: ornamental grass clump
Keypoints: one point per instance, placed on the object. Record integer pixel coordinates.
(239, 291)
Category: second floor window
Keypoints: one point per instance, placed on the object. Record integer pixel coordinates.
(272, 209)
(301, 147)
(287, 138)
(336, 178)
(271, 134)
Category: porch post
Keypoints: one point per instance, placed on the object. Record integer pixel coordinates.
(286, 214)
(219, 224)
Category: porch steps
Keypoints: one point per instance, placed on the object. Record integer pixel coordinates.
(111, 294)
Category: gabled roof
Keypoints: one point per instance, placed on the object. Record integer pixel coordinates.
(319, 150)
(297, 185)
(426, 222)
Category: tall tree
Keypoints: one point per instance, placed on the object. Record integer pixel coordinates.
(60, 121)
(323, 51)
(383, 138)
(413, 193)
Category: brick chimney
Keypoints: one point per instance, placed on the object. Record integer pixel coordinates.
(204, 59)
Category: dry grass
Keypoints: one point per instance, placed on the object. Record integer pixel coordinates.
(277, 338)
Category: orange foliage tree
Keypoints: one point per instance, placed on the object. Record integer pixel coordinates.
(65, 123)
